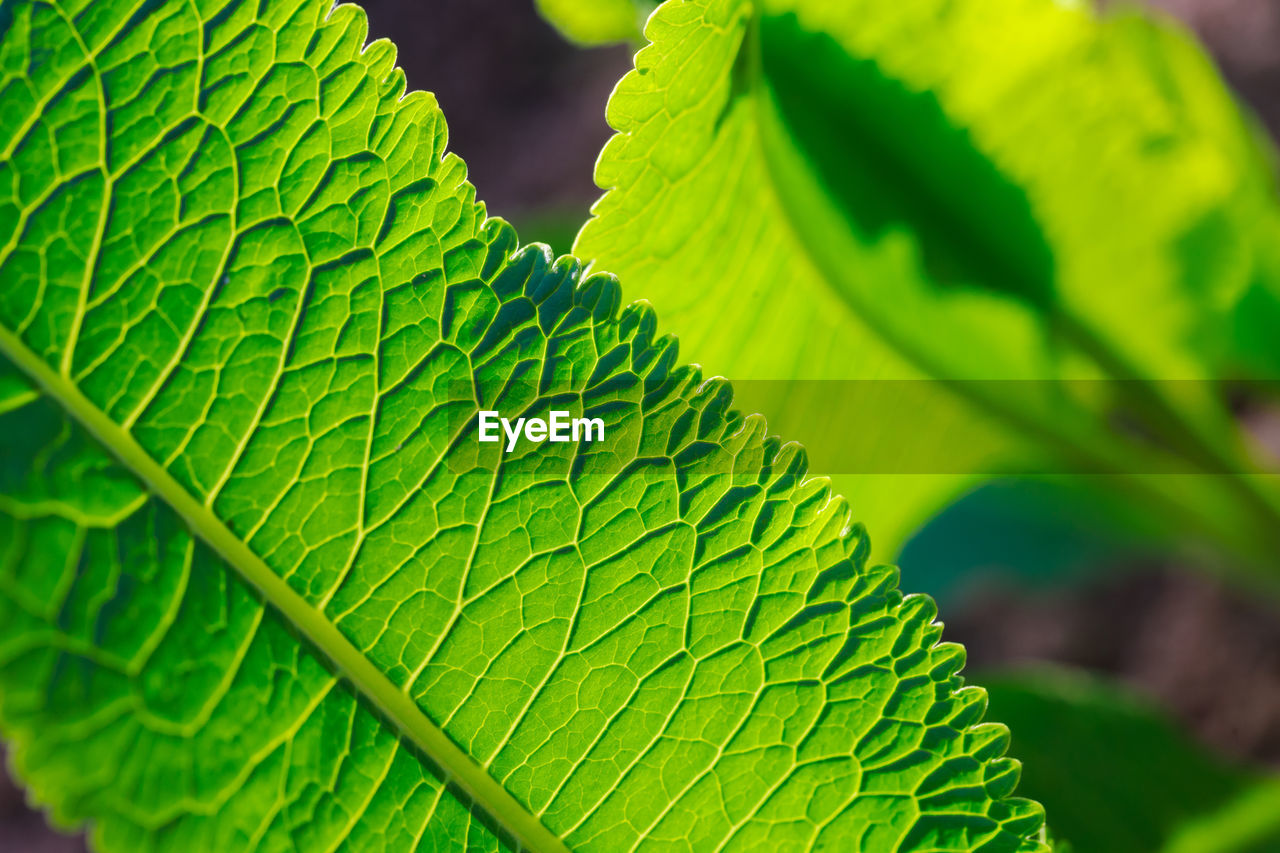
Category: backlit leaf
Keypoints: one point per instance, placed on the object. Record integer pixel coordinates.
(261, 587)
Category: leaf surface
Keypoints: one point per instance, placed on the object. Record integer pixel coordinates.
(261, 587)
(929, 189)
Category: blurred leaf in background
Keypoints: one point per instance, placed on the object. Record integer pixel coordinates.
(596, 23)
(1016, 190)
(599, 21)
(1116, 776)
(1027, 534)
(1250, 823)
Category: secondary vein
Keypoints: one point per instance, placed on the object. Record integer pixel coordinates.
(459, 768)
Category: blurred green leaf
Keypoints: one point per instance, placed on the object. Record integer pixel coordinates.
(1117, 776)
(1041, 533)
(595, 22)
(1014, 190)
(1249, 823)
(556, 227)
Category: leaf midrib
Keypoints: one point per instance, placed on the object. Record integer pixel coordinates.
(370, 682)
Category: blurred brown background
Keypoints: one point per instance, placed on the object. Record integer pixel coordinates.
(526, 110)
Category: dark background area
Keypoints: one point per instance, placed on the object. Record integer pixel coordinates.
(526, 111)
(525, 108)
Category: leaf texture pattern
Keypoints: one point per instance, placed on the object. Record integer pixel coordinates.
(1087, 119)
(262, 589)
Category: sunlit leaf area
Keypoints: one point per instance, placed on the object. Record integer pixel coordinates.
(708, 425)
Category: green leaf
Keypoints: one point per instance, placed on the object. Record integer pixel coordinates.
(598, 21)
(1250, 823)
(1116, 775)
(262, 587)
(924, 189)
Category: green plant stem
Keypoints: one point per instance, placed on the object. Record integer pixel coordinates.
(1185, 434)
